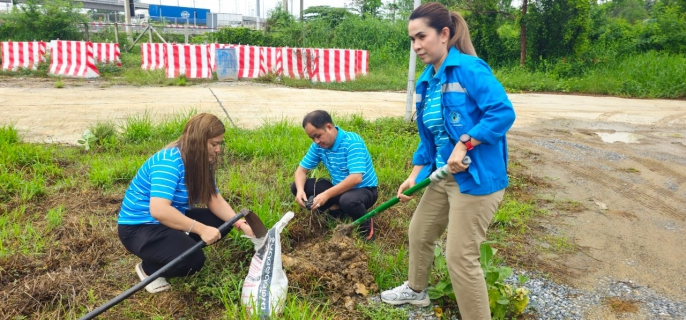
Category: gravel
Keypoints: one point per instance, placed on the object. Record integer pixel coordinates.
(549, 300)
(582, 153)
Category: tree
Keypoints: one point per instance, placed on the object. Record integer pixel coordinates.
(43, 20)
(370, 8)
(522, 34)
(558, 28)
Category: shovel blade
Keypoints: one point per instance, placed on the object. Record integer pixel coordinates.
(255, 224)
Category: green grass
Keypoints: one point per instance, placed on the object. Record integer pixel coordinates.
(46, 191)
(646, 75)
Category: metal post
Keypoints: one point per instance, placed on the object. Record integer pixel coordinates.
(127, 19)
(185, 30)
(258, 15)
(116, 32)
(150, 35)
(410, 77)
(301, 11)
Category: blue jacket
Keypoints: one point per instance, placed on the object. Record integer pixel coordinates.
(474, 102)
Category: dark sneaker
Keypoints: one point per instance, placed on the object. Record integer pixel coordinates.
(336, 213)
(366, 230)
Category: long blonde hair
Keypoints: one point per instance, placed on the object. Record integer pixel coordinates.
(438, 17)
(200, 173)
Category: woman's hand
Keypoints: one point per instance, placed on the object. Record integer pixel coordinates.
(245, 227)
(209, 234)
(455, 161)
(409, 183)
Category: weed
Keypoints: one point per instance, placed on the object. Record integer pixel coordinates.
(59, 84)
(87, 138)
(619, 305)
(381, 311)
(54, 217)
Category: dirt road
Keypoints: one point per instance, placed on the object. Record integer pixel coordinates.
(633, 191)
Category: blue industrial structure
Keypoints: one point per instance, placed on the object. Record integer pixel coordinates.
(178, 15)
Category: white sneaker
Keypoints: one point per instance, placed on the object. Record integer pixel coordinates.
(158, 285)
(403, 294)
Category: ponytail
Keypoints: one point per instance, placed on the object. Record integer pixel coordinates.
(461, 39)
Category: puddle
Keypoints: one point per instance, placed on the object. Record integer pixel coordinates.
(626, 137)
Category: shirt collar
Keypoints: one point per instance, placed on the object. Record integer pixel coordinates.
(339, 138)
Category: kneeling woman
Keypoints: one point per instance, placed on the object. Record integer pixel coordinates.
(158, 221)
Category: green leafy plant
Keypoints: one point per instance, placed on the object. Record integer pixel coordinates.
(87, 138)
(443, 286)
(504, 299)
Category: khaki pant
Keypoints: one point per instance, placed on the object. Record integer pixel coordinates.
(467, 218)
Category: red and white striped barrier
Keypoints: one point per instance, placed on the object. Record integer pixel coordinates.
(153, 56)
(181, 26)
(248, 61)
(193, 61)
(361, 62)
(319, 65)
(271, 61)
(73, 59)
(335, 65)
(293, 62)
(107, 53)
(22, 54)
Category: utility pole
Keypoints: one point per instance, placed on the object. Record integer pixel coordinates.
(258, 15)
(301, 11)
(285, 6)
(127, 19)
(410, 77)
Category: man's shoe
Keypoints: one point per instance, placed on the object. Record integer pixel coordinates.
(336, 213)
(366, 230)
(404, 294)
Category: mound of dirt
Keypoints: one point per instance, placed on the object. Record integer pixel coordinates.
(336, 267)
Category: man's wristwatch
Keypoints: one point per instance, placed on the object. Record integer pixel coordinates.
(467, 141)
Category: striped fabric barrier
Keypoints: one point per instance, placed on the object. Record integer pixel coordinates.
(73, 59)
(293, 62)
(190, 60)
(17, 55)
(271, 61)
(335, 65)
(248, 61)
(107, 53)
(319, 65)
(153, 56)
(361, 62)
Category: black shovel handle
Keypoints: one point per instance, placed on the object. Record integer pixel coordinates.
(224, 227)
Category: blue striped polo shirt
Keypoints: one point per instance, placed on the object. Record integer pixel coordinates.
(348, 155)
(433, 116)
(161, 176)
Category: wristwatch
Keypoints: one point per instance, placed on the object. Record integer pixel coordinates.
(467, 140)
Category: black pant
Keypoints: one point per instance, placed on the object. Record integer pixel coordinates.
(354, 203)
(157, 244)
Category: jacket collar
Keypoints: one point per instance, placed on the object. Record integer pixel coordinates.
(452, 60)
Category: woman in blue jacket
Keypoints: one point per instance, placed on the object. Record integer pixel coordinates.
(462, 109)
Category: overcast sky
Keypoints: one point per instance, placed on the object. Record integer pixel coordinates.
(248, 7)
